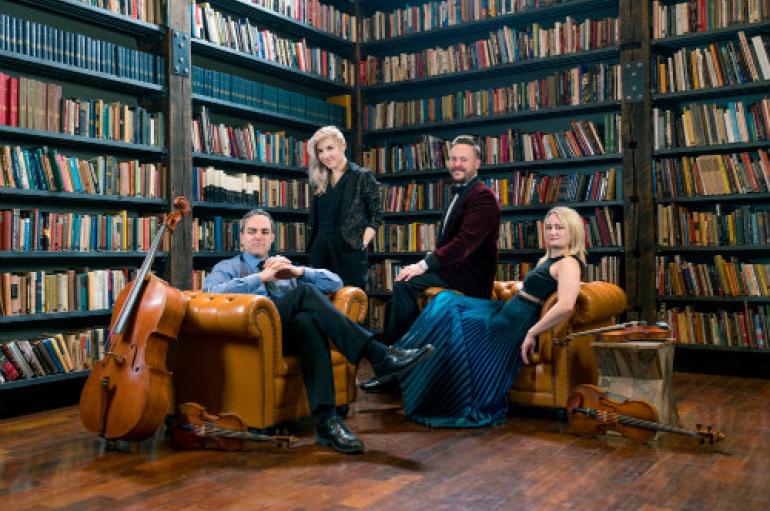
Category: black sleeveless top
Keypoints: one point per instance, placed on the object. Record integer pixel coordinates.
(539, 282)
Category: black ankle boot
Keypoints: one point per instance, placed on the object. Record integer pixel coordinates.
(333, 433)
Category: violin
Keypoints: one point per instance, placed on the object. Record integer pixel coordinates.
(195, 428)
(593, 411)
(637, 331)
(127, 393)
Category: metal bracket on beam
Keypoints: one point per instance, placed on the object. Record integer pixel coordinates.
(633, 81)
(181, 54)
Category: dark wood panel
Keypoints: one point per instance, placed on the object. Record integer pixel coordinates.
(178, 115)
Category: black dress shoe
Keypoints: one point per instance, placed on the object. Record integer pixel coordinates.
(332, 432)
(375, 386)
(398, 362)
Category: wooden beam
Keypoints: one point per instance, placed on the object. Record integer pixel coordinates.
(178, 114)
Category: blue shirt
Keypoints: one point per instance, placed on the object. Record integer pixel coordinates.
(226, 277)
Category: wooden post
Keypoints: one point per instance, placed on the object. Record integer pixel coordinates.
(358, 115)
(636, 133)
(178, 115)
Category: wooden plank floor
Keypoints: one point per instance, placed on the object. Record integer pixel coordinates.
(47, 461)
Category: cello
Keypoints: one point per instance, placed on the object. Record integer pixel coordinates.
(127, 394)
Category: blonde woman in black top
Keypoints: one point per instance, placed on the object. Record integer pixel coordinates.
(345, 208)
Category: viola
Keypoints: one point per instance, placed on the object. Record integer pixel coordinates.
(127, 393)
(195, 428)
(593, 411)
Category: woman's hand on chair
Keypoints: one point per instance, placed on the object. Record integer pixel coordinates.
(528, 348)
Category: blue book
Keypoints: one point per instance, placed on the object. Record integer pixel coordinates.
(218, 242)
(73, 167)
(47, 344)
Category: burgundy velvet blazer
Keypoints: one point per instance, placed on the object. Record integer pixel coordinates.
(467, 250)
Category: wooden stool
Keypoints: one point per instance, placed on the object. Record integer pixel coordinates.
(640, 370)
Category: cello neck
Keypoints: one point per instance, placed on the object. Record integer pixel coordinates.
(138, 283)
(639, 423)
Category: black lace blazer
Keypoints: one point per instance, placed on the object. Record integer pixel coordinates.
(361, 208)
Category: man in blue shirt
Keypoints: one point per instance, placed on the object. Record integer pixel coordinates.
(308, 319)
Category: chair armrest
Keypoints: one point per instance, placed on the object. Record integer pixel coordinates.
(352, 302)
(598, 303)
(505, 290)
(428, 295)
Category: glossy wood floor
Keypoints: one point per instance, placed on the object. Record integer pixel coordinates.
(47, 461)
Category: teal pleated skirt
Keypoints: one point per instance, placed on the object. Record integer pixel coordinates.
(465, 382)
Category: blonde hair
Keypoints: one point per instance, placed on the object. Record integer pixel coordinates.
(317, 173)
(577, 234)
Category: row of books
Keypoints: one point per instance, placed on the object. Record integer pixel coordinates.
(220, 234)
(746, 328)
(689, 16)
(150, 11)
(38, 105)
(712, 174)
(315, 14)
(677, 277)
(504, 46)
(583, 138)
(240, 35)
(703, 124)
(232, 88)
(382, 275)
(51, 354)
(198, 278)
(601, 230)
(50, 231)
(521, 189)
(583, 84)
(525, 188)
(412, 19)
(31, 39)
(375, 314)
(40, 292)
(412, 237)
(210, 184)
(414, 196)
(680, 226)
(717, 65)
(247, 143)
(45, 169)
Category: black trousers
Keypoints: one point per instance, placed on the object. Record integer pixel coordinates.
(403, 310)
(308, 321)
(333, 253)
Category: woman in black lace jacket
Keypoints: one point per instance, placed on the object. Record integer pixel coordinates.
(345, 208)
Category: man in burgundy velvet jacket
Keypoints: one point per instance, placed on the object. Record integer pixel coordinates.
(465, 257)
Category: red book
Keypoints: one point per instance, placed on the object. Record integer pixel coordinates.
(4, 100)
(13, 101)
(6, 229)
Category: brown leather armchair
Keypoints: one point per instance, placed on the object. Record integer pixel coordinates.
(558, 366)
(228, 357)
